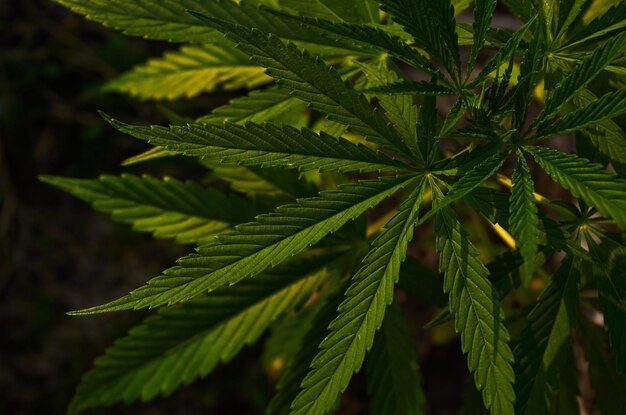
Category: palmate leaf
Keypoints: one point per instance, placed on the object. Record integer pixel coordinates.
(474, 302)
(586, 180)
(265, 145)
(167, 208)
(312, 81)
(583, 73)
(393, 374)
(189, 72)
(183, 343)
(371, 37)
(432, 25)
(412, 88)
(545, 340)
(360, 314)
(256, 246)
(608, 106)
(524, 221)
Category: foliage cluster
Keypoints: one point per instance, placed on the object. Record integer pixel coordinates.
(320, 177)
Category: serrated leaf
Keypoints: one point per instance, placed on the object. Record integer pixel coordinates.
(478, 316)
(257, 246)
(583, 73)
(393, 373)
(171, 20)
(372, 37)
(360, 314)
(432, 25)
(398, 109)
(288, 385)
(483, 13)
(470, 181)
(191, 71)
(357, 11)
(586, 180)
(264, 145)
(613, 19)
(545, 340)
(271, 186)
(454, 115)
(312, 81)
(152, 19)
(524, 221)
(608, 106)
(412, 88)
(166, 208)
(607, 137)
(258, 106)
(181, 344)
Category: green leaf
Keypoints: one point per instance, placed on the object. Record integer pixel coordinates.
(522, 93)
(360, 314)
(258, 106)
(483, 13)
(612, 296)
(524, 9)
(607, 137)
(524, 221)
(264, 145)
(184, 343)
(613, 19)
(257, 246)
(271, 186)
(454, 115)
(370, 37)
(365, 11)
(608, 106)
(545, 340)
(569, 11)
(412, 88)
(189, 72)
(509, 49)
(288, 385)
(398, 109)
(312, 81)
(152, 19)
(167, 208)
(467, 183)
(586, 180)
(583, 73)
(477, 314)
(432, 25)
(393, 373)
(171, 20)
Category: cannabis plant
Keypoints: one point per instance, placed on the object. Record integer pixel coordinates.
(367, 125)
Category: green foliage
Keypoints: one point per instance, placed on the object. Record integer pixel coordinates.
(359, 130)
